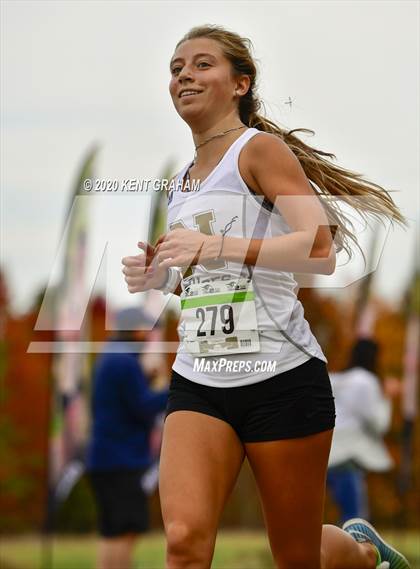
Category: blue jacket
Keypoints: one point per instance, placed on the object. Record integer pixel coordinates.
(123, 410)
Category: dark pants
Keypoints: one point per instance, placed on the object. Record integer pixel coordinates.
(122, 505)
(347, 486)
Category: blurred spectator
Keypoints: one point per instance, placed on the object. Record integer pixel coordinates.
(363, 417)
(124, 409)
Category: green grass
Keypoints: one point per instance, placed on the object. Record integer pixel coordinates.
(234, 550)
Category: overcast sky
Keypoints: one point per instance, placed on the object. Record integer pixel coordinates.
(74, 73)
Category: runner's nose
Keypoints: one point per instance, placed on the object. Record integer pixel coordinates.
(185, 74)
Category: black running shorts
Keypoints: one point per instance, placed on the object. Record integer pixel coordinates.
(122, 506)
(296, 403)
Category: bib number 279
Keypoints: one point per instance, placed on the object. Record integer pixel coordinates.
(226, 318)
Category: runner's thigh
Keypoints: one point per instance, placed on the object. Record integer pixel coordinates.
(290, 476)
(201, 457)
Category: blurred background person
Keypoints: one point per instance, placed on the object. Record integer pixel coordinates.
(364, 414)
(124, 410)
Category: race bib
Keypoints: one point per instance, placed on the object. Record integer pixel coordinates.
(220, 317)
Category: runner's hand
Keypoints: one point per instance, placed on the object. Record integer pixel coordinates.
(184, 247)
(141, 271)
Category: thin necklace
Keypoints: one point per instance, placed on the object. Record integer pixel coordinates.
(212, 137)
(187, 174)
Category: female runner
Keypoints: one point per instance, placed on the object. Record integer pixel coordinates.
(249, 378)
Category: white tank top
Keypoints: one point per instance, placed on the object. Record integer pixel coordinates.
(285, 335)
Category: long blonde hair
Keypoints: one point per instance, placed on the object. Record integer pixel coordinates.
(368, 198)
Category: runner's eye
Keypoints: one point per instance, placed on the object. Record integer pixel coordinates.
(176, 70)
